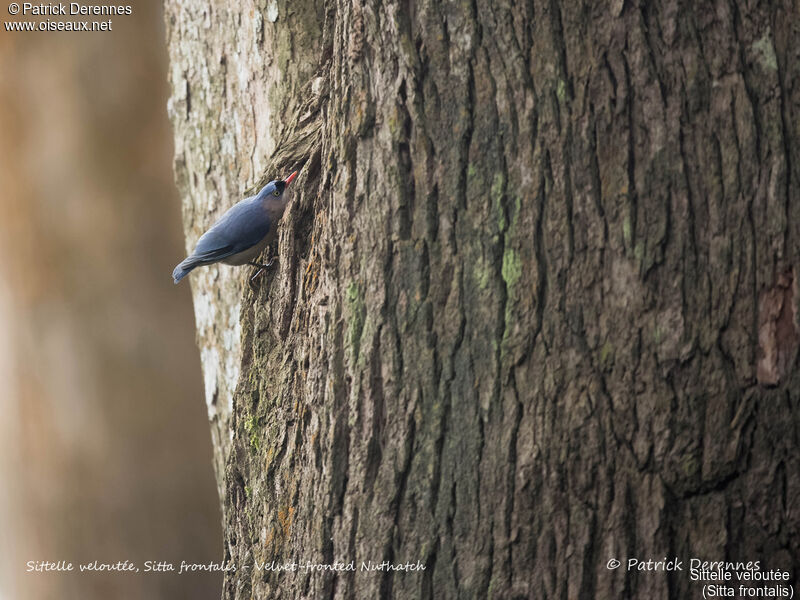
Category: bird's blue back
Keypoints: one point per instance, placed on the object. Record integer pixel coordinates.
(244, 225)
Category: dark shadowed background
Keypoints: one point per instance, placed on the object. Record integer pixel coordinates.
(104, 447)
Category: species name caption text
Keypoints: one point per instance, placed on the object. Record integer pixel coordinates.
(162, 566)
(719, 579)
(62, 13)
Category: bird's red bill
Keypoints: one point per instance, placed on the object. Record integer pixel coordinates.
(290, 178)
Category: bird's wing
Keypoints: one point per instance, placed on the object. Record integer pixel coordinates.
(211, 256)
(242, 227)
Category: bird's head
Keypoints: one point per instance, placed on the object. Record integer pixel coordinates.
(273, 191)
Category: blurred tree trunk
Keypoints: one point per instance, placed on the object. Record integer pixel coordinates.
(536, 304)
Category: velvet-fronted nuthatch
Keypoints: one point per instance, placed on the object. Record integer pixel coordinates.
(239, 236)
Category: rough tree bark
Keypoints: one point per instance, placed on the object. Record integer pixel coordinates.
(536, 304)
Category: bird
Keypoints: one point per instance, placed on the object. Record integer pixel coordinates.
(239, 236)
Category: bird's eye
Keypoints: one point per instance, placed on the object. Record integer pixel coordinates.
(276, 193)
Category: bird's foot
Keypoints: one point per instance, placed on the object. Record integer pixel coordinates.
(262, 266)
(260, 271)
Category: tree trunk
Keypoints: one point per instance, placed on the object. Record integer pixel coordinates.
(536, 299)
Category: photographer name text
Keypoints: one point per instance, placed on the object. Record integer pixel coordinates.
(72, 9)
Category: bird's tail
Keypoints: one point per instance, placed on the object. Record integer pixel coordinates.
(182, 270)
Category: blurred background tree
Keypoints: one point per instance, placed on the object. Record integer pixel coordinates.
(104, 447)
